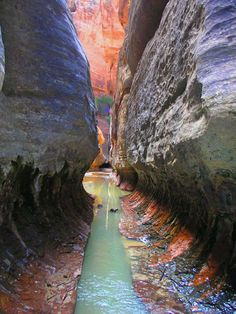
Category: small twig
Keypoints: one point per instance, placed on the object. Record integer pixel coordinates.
(163, 273)
(52, 296)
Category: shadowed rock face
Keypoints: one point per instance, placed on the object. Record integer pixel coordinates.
(48, 140)
(48, 106)
(183, 103)
(144, 18)
(179, 118)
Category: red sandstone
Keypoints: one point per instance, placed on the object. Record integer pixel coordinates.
(102, 35)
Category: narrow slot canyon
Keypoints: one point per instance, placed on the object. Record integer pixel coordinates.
(117, 156)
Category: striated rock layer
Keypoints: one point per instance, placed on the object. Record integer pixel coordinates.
(174, 120)
(48, 140)
(2, 61)
(101, 34)
(47, 105)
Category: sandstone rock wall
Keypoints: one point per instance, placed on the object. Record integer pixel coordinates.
(48, 140)
(124, 12)
(144, 19)
(47, 109)
(2, 61)
(101, 34)
(179, 125)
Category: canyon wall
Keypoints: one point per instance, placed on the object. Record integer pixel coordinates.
(2, 62)
(48, 141)
(174, 120)
(47, 106)
(101, 34)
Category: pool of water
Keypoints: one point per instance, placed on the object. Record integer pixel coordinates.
(105, 285)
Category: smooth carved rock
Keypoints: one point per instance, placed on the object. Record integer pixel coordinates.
(181, 110)
(47, 110)
(101, 34)
(144, 18)
(48, 140)
(180, 121)
(126, 176)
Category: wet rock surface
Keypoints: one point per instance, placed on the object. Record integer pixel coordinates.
(45, 222)
(166, 260)
(48, 283)
(174, 129)
(48, 141)
(183, 139)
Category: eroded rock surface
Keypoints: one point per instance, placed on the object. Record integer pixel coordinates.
(100, 159)
(144, 18)
(2, 61)
(124, 12)
(48, 140)
(185, 118)
(48, 108)
(101, 34)
(174, 123)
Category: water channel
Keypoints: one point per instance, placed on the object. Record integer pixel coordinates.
(105, 285)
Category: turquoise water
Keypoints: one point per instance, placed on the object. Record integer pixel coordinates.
(105, 285)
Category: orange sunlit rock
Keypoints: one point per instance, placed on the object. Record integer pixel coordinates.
(101, 139)
(124, 12)
(100, 159)
(101, 34)
(180, 243)
(207, 272)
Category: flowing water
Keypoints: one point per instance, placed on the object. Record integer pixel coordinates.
(105, 285)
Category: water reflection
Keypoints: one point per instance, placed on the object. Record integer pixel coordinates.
(106, 285)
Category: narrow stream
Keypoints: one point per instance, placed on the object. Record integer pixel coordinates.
(105, 285)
